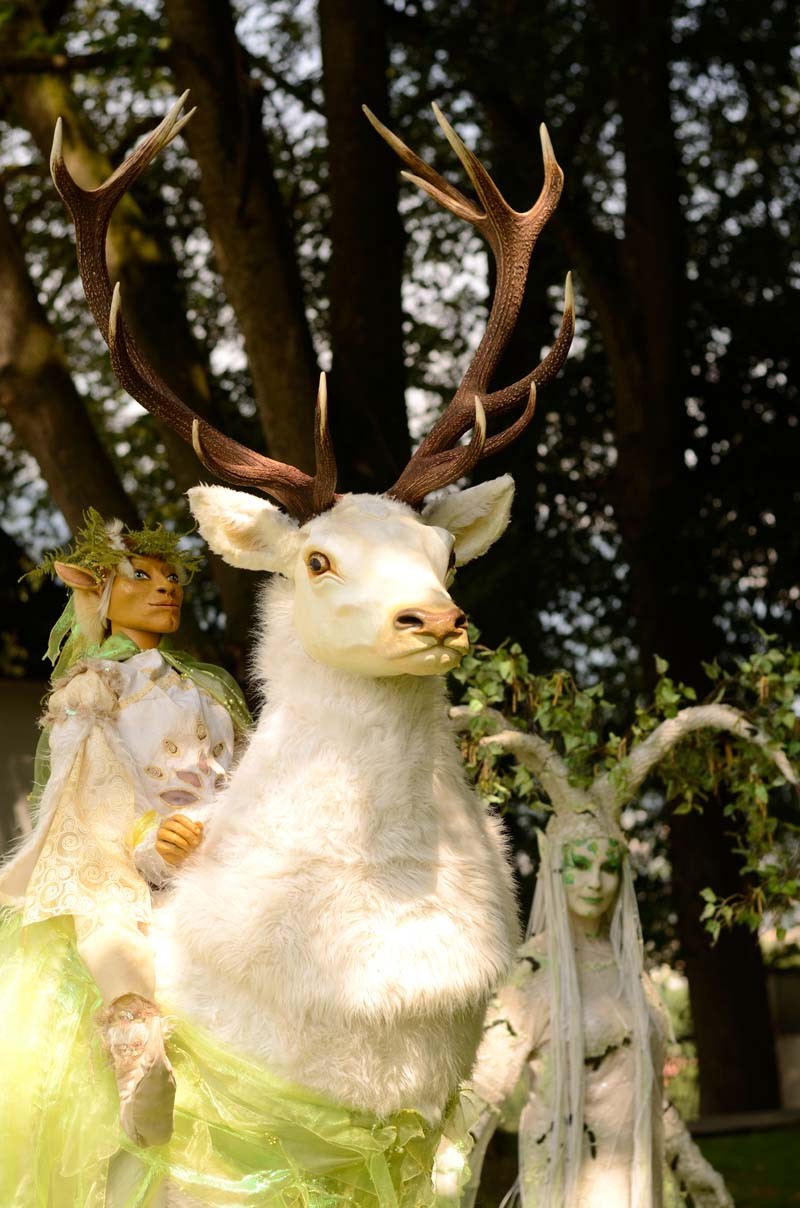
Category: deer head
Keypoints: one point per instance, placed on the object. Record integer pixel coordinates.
(370, 573)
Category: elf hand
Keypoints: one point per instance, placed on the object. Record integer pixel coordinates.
(177, 837)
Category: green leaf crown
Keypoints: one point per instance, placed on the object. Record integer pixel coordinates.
(101, 546)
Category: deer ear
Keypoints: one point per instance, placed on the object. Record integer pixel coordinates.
(476, 516)
(77, 578)
(244, 530)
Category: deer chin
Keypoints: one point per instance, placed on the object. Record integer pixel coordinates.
(432, 660)
(399, 655)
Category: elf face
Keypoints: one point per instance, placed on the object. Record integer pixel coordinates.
(148, 603)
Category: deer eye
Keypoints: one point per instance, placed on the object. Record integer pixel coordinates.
(318, 563)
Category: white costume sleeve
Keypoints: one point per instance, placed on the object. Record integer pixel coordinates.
(688, 1167)
(514, 1028)
(78, 862)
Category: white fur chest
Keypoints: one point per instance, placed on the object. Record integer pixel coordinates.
(351, 911)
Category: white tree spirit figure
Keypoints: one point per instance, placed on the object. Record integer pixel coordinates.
(573, 1042)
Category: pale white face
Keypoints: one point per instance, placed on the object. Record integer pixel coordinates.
(371, 576)
(591, 873)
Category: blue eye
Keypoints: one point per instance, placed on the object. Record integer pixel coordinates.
(140, 574)
(173, 578)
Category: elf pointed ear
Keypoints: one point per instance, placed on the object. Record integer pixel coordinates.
(78, 578)
(245, 530)
(476, 516)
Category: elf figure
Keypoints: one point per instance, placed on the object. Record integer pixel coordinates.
(137, 740)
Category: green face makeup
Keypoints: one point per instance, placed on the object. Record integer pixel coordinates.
(577, 855)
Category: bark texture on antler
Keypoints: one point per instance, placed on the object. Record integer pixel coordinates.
(511, 235)
(302, 495)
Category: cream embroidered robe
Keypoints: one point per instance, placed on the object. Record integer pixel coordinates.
(130, 743)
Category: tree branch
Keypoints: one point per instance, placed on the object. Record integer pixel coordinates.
(632, 771)
(62, 64)
(531, 751)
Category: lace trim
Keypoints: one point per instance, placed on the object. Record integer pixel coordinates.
(85, 868)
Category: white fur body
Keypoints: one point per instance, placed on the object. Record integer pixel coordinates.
(350, 910)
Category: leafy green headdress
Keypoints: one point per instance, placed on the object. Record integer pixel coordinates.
(103, 549)
(100, 547)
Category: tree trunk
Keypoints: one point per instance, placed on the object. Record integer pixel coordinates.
(40, 400)
(727, 986)
(673, 618)
(139, 254)
(248, 223)
(368, 415)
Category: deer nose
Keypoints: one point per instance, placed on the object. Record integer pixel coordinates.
(440, 623)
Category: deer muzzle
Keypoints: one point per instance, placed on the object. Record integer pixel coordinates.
(447, 626)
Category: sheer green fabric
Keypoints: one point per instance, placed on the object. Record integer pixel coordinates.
(242, 1137)
(58, 1126)
(215, 680)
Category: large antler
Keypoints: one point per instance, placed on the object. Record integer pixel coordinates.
(300, 494)
(512, 236)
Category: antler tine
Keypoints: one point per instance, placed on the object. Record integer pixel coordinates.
(425, 474)
(500, 401)
(325, 477)
(512, 236)
(425, 177)
(436, 470)
(496, 208)
(501, 440)
(249, 471)
(91, 211)
(300, 494)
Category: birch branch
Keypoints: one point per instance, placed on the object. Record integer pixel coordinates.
(631, 772)
(531, 751)
(614, 789)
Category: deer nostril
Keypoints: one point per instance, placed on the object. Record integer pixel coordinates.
(439, 624)
(409, 620)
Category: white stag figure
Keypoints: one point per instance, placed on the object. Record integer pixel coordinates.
(351, 910)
